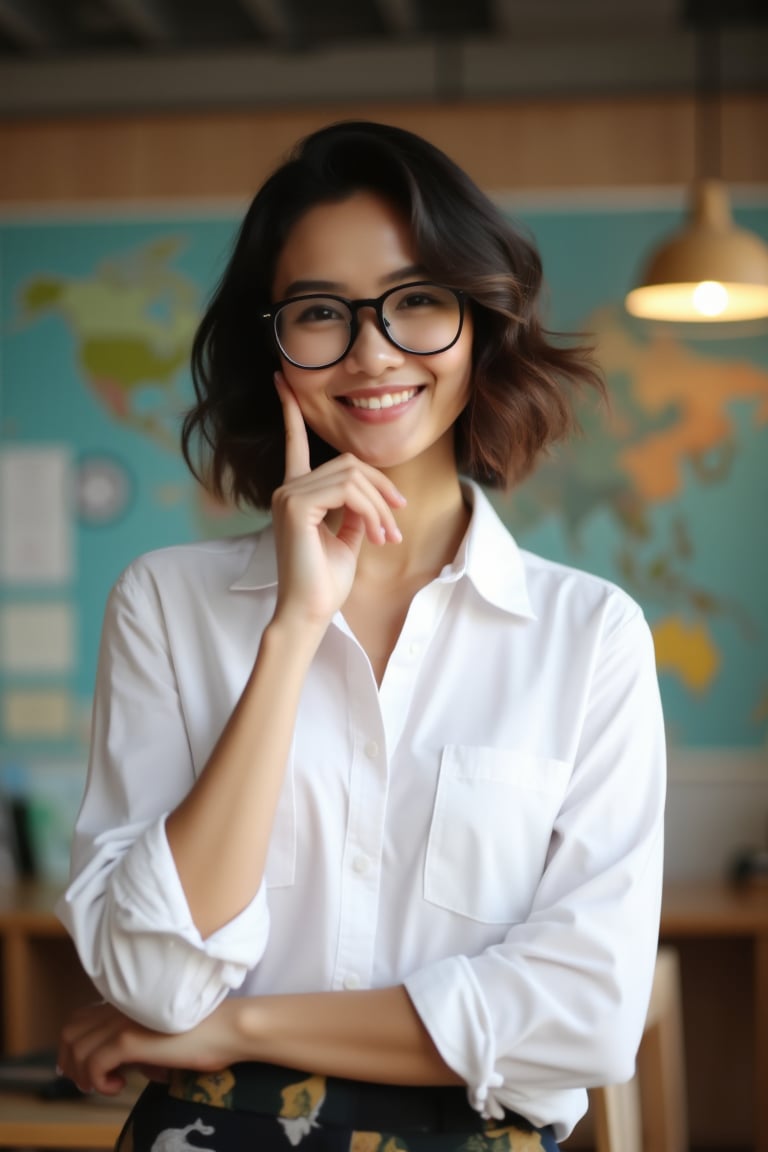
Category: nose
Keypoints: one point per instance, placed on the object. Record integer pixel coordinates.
(372, 353)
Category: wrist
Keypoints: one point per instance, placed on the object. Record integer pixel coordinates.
(299, 638)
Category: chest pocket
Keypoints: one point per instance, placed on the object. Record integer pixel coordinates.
(490, 831)
(280, 867)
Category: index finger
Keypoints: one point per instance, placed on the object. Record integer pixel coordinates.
(296, 440)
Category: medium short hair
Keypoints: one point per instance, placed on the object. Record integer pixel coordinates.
(524, 379)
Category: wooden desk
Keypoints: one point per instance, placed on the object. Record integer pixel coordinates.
(26, 1122)
(40, 976)
(721, 932)
(40, 982)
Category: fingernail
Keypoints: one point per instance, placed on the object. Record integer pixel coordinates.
(59, 1070)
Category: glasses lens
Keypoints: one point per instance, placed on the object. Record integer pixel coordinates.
(422, 317)
(314, 331)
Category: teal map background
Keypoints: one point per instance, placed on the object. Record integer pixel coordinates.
(667, 497)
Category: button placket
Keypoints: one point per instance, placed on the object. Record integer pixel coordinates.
(364, 839)
(397, 689)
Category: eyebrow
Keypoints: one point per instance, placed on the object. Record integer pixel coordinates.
(300, 287)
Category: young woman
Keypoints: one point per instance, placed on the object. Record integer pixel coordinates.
(370, 850)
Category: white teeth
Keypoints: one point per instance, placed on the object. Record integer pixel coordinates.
(385, 400)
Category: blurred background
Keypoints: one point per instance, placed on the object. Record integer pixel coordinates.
(99, 55)
(133, 134)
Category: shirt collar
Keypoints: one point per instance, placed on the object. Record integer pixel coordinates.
(261, 570)
(488, 557)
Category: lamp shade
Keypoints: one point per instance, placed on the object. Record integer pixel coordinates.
(711, 271)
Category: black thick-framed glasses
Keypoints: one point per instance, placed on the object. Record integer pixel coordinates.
(317, 330)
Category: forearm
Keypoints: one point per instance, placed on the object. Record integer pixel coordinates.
(373, 1035)
(220, 833)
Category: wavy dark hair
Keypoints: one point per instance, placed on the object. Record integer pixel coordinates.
(524, 378)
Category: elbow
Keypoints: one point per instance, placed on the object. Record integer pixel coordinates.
(165, 1008)
(170, 1016)
(165, 988)
(145, 957)
(614, 1051)
(613, 1066)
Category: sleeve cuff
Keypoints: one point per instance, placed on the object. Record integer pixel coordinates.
(148, 890)
(452, 1008)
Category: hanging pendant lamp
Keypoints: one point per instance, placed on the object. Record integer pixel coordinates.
(711, 271)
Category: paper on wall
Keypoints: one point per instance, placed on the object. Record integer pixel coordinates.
(37, 638)
(36, 514)
(37, 714)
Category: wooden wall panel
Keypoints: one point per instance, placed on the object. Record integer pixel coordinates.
(505, 146)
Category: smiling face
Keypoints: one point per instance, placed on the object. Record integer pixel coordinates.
(386, 406)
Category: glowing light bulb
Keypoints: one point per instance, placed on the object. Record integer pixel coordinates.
(710, 298)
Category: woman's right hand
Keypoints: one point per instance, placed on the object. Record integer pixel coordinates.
(98, 1044)
(316, 565)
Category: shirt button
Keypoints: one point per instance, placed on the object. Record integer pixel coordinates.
(413, 649)
(360, 864)
(371, 749)
(351, 981)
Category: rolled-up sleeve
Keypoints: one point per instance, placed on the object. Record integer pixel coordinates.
(125, 907)
(560, 1003)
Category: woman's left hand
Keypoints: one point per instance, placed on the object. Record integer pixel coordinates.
(98, 1043)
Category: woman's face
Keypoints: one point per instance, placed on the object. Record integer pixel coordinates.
(384, 405)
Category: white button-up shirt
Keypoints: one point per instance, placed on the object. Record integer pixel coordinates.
(484, 827)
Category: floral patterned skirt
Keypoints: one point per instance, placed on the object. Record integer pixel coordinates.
(263, 1108)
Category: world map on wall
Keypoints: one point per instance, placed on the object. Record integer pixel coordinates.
(665, 493)
(133, 322)
(670, 440)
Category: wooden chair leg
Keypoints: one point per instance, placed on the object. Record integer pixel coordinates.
(661, 1062)
(615, 1112)
(649, 1113)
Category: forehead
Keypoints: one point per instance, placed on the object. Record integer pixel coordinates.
(363, 237)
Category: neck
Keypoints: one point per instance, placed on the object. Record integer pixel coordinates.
(433, 523)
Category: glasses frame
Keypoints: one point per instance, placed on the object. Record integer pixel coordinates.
(354, 306)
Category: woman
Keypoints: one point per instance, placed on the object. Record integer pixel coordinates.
(371, 842)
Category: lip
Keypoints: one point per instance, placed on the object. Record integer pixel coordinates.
(389, 411)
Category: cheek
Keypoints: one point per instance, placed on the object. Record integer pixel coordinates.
(311, 392)
(292, 374)
(462, 349)
(306, 386)
(461, 368)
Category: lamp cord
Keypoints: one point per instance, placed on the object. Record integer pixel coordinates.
(708, 104)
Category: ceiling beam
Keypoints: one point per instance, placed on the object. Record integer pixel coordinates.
(511, 17)
(26, 24)
(271, 18)
(148, 20)
(492, 68)
(399, 16)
